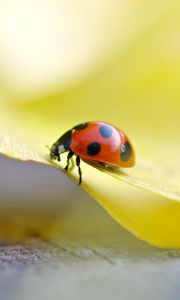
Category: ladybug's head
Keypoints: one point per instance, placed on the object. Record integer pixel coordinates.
(54, 151)
(61, 145)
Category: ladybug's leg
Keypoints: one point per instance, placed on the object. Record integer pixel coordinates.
(58, 157)
(70, 154)
(79, 169)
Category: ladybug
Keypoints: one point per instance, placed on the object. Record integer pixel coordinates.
(95, 142)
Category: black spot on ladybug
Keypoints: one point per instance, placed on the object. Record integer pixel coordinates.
(105, 131)
(81, 126)
(126, 151)
(93, 148)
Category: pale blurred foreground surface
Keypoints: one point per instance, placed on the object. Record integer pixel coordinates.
(74, 250)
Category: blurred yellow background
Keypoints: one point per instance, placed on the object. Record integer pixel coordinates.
(63, 62)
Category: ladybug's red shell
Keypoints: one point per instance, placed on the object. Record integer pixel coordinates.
(102, 142)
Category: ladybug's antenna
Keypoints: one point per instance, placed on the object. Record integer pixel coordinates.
(48, 147)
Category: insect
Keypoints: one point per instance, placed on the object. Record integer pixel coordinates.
(95, 142)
